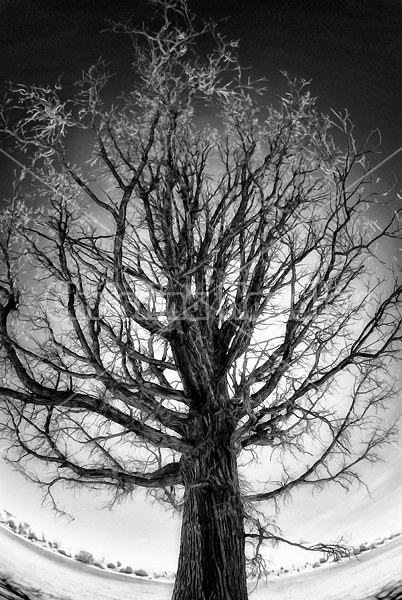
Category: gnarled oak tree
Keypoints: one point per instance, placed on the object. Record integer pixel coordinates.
(193, 292)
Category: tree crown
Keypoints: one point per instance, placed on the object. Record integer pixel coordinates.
(191, 285)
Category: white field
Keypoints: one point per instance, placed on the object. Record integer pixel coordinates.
(63, 578)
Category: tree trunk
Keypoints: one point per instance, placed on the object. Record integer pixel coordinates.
(212, 550)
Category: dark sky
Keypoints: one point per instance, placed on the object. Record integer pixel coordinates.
(352, 49)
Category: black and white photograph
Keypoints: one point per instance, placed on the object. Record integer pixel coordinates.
(201, 300)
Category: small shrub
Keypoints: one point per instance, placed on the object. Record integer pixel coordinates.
(85, 557)
(23, 528)
(99, 565)
(64, 552)
(111, 566)
(141, 573)
(127, 570)
(12, 524)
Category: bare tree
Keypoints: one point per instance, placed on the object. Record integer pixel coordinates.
(191, 295)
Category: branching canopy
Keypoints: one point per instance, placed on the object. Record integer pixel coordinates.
(188, 275)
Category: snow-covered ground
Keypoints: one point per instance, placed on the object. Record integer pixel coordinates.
(352, 579)
(63, 578)
(59, 577)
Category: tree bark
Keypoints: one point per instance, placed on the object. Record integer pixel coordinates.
(212, 550)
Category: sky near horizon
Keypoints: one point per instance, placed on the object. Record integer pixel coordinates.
(353, 52)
